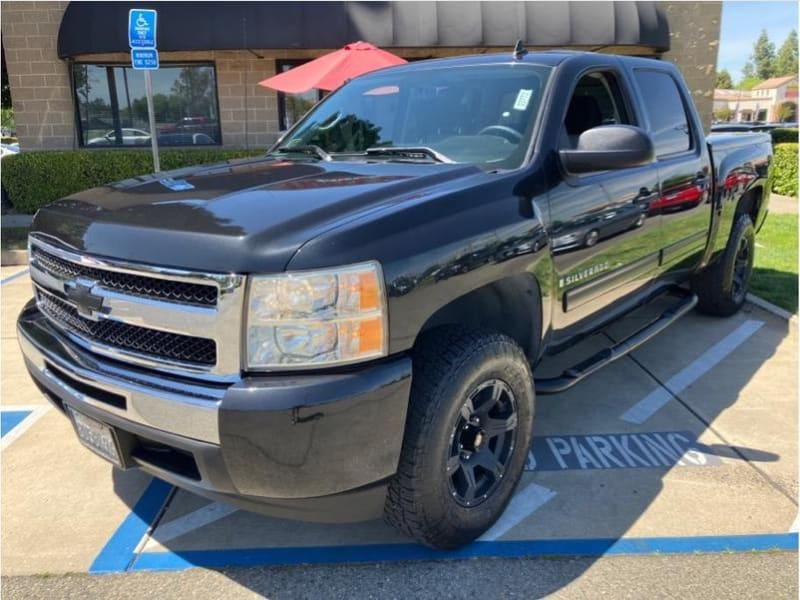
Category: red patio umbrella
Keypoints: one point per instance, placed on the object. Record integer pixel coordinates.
(330, 71)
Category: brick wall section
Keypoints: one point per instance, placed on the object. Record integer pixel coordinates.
(43, 101)
(39, 81)
(694, 43)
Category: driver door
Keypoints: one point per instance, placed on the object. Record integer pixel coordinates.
(604, 242)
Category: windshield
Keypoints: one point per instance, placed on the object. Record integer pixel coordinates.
(481, 115)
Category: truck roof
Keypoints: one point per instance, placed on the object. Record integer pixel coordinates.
(544, 57)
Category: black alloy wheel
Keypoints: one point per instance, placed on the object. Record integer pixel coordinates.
(482, 442)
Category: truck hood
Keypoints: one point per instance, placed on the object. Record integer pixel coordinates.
(240, 216)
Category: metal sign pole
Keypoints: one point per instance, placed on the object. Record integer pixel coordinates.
(151, 113)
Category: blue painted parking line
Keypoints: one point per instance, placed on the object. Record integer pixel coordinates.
(172, 561)
(17, 419)
(119, 552)
(9, 419)
(11, 278)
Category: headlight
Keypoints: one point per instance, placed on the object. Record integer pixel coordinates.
(316, 318)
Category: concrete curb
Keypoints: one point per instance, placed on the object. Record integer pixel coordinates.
(10, 258)
(771, 308)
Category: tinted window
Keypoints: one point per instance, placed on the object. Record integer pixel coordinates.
(480, 115)
(669, 125)
(112, 106)
(596, 101)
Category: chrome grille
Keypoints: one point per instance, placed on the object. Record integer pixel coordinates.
(149, 287)
(168, 319)
(150, 342)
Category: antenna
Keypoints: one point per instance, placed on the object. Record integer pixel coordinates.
(519, 50)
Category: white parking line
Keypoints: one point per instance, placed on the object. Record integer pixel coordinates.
(650, 404)
(37, 411)
(522, 505)
(189, 522)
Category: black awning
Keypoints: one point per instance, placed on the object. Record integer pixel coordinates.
(99, 27)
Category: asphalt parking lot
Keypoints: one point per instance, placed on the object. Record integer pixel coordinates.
(679, 459)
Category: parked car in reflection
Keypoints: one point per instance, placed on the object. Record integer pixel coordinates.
(130, 137)
(185, 139)
(593, 227)
(682, 197)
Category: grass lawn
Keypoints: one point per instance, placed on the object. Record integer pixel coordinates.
(14, 238)
(775, 270)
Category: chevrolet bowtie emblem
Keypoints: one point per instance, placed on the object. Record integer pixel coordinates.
(79, 292)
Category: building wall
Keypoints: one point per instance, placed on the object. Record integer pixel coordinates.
(39, 80)
(694, 44)
(44, 107)
(744, 105)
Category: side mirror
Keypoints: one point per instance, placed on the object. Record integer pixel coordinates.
(609, 147)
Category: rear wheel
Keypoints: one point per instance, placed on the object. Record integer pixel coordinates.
(722, 288)
(591, 238)
(467, 436)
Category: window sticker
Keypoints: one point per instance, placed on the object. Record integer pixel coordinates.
(523, 99)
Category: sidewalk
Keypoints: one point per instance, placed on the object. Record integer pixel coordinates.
(16, 220)
(783, 205)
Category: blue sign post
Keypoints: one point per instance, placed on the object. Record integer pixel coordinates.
(144, 56)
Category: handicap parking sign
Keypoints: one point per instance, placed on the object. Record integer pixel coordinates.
(142, 28)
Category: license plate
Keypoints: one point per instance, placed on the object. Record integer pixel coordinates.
(96, 436)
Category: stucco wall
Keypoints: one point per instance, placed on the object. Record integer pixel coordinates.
(694, 43)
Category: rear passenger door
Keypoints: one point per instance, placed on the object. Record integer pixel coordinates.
(684, 202)
(605, 245)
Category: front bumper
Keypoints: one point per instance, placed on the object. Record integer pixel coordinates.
(314, 447)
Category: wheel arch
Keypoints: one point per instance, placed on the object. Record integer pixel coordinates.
(750, 203)
(511, 306)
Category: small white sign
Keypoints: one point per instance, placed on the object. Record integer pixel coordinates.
(523, 99)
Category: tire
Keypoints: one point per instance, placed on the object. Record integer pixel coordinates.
(591, 238)
(430, 498)
(721, 288)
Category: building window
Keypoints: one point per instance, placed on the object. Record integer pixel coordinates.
(112, 106)
(291, 107)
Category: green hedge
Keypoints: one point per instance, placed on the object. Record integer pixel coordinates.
(34, 179)
(784, 135)
(785, 175)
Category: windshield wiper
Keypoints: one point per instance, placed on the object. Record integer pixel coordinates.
(413, 152)
(307, 149)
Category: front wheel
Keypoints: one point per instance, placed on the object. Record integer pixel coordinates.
(467, 436)
(722, 288)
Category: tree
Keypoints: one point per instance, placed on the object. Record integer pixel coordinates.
(786, 111)
(722, 114)
(763, 57)
(724, 80)
(786, 59)
(195, 87)
(748, 83)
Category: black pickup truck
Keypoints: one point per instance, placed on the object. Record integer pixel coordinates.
(347, 327)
